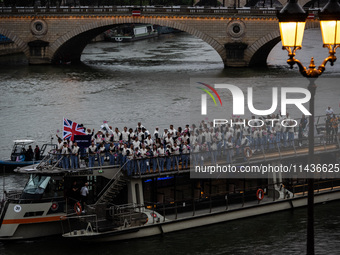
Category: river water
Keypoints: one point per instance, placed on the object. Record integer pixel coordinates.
(148, 81)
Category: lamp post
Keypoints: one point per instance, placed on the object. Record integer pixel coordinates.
(292, 20)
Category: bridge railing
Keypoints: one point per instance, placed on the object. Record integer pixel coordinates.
(144, 10)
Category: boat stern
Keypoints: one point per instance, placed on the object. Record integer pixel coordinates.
(24, 221)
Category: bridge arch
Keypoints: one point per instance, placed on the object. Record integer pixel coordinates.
(73, 43)
(257, 53)
(23, 47)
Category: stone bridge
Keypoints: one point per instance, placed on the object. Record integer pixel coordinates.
(242, 37)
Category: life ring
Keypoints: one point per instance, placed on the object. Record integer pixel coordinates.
(118, 39)
(248, 152)
(54, 206)
(77, 208)
(260, 194)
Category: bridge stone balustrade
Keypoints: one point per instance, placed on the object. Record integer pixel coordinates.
(242, 37)
(243, 3)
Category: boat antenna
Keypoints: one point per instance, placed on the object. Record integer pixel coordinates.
(3, 185)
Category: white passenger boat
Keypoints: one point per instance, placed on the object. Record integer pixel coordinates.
(144, 204)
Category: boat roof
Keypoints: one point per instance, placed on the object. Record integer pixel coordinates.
(108, 171)
(33, 169)
(23, 141)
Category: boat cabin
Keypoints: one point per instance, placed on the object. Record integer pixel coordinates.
(21, 146)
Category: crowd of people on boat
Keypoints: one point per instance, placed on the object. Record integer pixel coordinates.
(138, 150)
(332, 125)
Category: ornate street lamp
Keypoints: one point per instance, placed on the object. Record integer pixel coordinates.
(292, 20)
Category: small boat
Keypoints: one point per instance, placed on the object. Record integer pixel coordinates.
(21, 157)
(130, 32)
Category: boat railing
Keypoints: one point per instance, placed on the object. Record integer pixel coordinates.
(79, 224)
(48, 160)
(125, 211)
(45, 147)
(208, 202)
(104, 219)
(13, 195)
(238, 155)
(128, 215)
(54, 161)
(205, 203)
(16, 197)
(122, 209)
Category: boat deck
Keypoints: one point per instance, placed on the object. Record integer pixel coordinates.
(105, 230)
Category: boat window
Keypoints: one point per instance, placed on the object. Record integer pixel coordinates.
(17, 150)
(36, 184)
(137, 194)
(33, 214)
(55, 188)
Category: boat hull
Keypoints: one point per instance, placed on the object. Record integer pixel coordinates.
(17, 163)
(26, 221)
(207, 219)
(129, 38)
(9, 165)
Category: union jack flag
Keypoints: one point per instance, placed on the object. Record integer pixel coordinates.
(71, 128)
